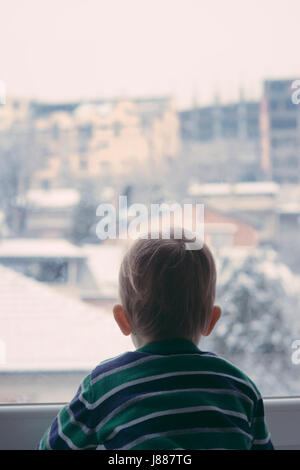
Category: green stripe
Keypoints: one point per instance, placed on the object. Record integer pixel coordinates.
(185, 362)
(74, 432)
(168, 402)
(199, 439)
(196, 442)
(175, 410)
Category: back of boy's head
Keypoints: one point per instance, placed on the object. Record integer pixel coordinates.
(167, 290)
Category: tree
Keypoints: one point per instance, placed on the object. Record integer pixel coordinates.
(18, 162)
(260, 302)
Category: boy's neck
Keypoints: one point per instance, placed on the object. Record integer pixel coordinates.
(140, 341)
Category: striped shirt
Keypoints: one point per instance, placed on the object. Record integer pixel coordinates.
(165, 395)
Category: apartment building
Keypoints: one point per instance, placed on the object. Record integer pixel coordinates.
(105, 138)
(280, 132)
(222, 139)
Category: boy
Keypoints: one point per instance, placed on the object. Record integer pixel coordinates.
(168, 394)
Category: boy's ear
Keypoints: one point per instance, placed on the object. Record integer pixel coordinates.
(121, 319)
(215, 316)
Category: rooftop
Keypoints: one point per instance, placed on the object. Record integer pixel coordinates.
(42, 329)
(38, 248)
(244, 188)
(53, 198)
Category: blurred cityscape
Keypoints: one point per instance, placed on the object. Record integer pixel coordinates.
(59, 161)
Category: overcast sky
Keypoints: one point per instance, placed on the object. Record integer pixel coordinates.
(70, 49)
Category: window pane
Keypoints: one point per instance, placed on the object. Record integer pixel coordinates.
(180, 101)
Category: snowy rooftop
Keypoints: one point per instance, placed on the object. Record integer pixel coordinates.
(104, 263)
(248, 188)
(289, 208)
(54, 198)
(38, 248)
(210, 189)
(257, 187)
(42, 329)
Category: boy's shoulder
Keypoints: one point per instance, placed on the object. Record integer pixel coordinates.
(115, 364)
(223, 366)
(206, 361)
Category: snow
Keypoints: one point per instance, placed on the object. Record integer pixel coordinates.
(289, 208)
(38, 248)
(104, 262)
(260, 301)
(247, 188)
(256, 188)
(42, 329)
(45, 330)
(210, 189)
(54, 198)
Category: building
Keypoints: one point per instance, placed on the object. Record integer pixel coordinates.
(280, 132)
(288, 233)
(217, 229)
(222, 141)
(50, 213)
(13, 113)
(255, 203)
(59, 337)
(221, 121)
(88, 273)
(104, 138)
(222, 231)
(52, 261)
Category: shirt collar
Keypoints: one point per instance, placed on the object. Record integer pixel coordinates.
(170, 346)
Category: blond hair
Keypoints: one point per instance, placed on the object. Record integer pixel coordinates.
(167, 290)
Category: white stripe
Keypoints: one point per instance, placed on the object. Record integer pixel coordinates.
(64, 437)
(141, 439)
(69, 441)
(129, 402)
(262, 441)
(165, 392)
(94, 405)
(191, 409)
(88, 431)
(121, 368)
(48, 445)
(141, 361)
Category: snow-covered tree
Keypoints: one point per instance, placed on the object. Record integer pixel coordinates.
(260, 303)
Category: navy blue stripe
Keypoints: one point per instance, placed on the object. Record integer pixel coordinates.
(173, 421)
(165, 384)
(92, 417)
(154, 369)
(55, 440)
(259, 409)
(132, 356)
(267, 446)
(126, 358)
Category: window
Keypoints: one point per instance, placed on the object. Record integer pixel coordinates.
(2, 353)
(204, 104)
(284, 123)
(103, 145)
(105, 164)
(117, 126)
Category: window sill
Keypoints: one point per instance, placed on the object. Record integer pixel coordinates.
(22, 426)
